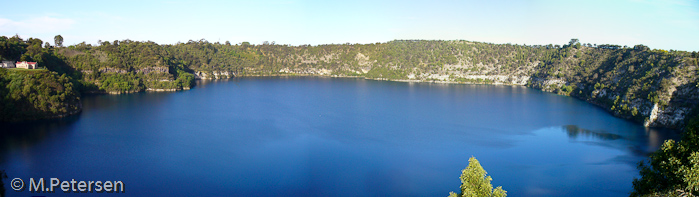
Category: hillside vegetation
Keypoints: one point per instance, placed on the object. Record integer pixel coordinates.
(650, 86)
(36, 94)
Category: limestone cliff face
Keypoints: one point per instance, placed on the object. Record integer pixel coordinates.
(112, 70)
(156, 69)
(213, 74)
(625, 84)
(673, 114)
(670, 110)
(146, 70)
(683, 100)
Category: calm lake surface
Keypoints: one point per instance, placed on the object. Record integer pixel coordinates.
(333, 137)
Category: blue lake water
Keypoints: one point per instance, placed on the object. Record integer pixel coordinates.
(273, 136)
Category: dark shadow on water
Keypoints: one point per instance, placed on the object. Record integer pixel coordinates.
(574, 132)
(639, 144)
(27, 134)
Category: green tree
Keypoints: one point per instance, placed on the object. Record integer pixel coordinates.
(476, 183)
(573, 41)
(58, 40)
(674, 169)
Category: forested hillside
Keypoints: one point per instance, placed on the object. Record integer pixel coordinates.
(36, 94)
(650, 86)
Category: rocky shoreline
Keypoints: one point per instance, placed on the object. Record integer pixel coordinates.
(672, 116)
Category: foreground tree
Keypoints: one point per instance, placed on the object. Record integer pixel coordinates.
(674, 169)
(476, 183)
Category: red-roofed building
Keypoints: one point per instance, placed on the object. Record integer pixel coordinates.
(27, 65)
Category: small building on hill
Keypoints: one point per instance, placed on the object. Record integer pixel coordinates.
(27, 65)
(7, 64)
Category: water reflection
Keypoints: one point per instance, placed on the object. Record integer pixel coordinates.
(574, 132)
(636, 143)
(27, 134)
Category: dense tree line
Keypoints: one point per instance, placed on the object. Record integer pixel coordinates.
(36, 94)
(634, 70)
(128, 66)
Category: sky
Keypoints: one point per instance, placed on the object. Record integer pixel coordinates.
(663, 24)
